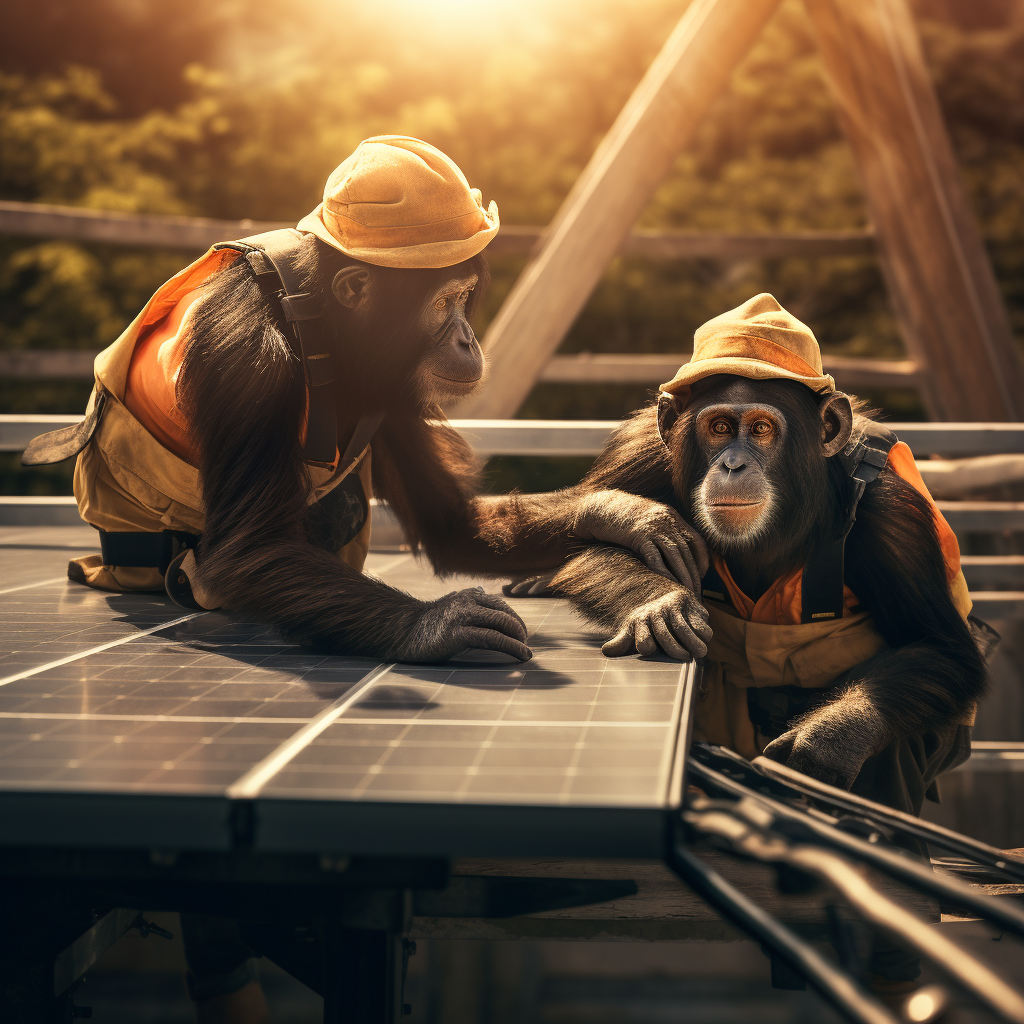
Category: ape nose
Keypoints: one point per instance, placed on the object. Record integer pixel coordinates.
(733, 461)
(464, 334)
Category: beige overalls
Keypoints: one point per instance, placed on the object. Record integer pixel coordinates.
(126, 481)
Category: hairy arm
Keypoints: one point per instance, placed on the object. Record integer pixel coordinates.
(649, 612)
(254, 555)
(430, 477)
(932, 674)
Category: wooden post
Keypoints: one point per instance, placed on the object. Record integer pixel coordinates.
(939, 276)
(693, 68)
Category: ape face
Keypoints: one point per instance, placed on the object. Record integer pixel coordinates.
(454, 363)
(421, 319)
(750, 457)
(741, 442)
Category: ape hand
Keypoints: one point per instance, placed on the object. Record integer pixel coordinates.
(460, 620)
(832, 743)
(658, 534)
(675, 624)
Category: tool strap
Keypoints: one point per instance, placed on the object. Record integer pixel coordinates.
(145, 550)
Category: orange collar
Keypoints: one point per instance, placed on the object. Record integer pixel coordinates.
(782, 603)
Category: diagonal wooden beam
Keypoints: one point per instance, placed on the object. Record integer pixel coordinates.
(945, 294)
(692, 70)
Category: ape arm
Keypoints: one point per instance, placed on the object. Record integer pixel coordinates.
(254, 555)
(435, 495)
(932, 675)
(650, 612)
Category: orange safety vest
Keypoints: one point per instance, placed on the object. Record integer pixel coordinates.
(766, 643)
(137, 472)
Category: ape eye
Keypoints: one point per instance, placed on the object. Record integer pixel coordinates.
(721, 427)
(761, 428)
(440, 304)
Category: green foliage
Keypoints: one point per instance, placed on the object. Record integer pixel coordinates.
(264, 100)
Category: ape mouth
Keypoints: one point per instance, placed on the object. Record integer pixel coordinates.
(731, 519)
(463, 381)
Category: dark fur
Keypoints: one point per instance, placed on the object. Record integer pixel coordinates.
(242, 391)
(933, 672)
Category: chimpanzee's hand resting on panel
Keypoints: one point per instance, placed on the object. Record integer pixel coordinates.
(675, 624)
(653, 531)
(832, 743)
(656, 533)
(461, 620)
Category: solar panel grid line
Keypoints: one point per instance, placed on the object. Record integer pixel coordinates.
(459, 775)
(27, 673)
(250, 784)
(70, 716)
(489, 723)
(198, 709)
(33, 586)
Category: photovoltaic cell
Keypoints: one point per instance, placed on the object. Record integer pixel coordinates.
(99, 695)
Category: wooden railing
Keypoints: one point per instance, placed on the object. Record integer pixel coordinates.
(37, 220)
(588, 437)
(585, 368)
(562, 438)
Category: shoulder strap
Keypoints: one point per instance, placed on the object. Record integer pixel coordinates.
(713, 586)
(863, 459)
(273, 259)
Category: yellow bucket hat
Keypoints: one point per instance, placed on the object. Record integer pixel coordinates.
(758, 339)
(399, 202)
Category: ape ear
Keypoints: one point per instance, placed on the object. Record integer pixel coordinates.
(669, 408)
(836, 423)
(350, 286)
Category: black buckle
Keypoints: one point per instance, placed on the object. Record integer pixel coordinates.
(143, 550)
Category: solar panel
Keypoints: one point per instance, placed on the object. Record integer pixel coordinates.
(131, 715)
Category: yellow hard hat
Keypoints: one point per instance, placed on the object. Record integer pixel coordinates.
(400, 202)
(757, 339)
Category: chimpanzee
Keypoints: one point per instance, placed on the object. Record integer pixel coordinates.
(227, 444)
(833, 618)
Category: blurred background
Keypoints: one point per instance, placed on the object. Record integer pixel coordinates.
(231, 109)
(228, 109)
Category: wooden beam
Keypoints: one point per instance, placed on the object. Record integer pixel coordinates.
(36, 220)
(983, 516)
(692, 70)
(40, 364)
(588, 437)
(993, 572)
(936, 267)
(601, 368)
(17, 429)
(962, 516)
(586, 368)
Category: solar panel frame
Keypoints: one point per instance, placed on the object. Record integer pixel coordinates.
(126, 723)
